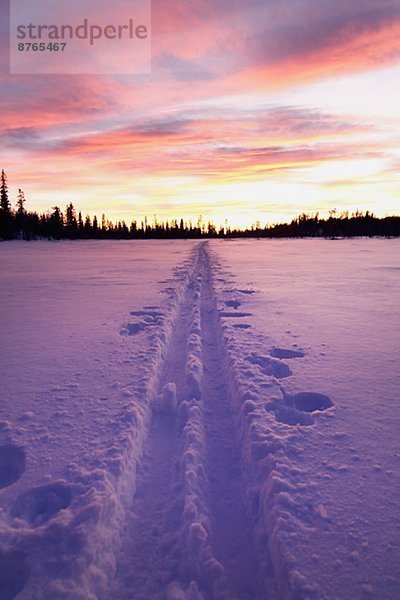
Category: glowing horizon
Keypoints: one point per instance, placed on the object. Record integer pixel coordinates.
(251, 113)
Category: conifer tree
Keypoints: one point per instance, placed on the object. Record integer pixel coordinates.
(80, 224)
(87, 226)
(56, 223)
(95, 226)
(4, 201)
(20, 214)
(71, 222)
(20, 202)
(6, 217)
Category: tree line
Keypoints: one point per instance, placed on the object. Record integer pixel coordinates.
(19, 223)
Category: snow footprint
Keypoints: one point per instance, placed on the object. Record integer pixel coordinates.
(14, 574)
(133, 328)
(232, 303)
(149, 317)
(270, 365)
(286, 353)
(12, 464)
(38, 505)
(309, 401)
(298, 409)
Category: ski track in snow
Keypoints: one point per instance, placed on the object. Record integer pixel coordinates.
(189, 533)
(204, 519)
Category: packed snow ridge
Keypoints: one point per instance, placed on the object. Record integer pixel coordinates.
(199, 496)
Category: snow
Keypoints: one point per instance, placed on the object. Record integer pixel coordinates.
(182, 419)
(335, 506)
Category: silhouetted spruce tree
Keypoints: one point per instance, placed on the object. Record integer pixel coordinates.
(4, 201)
(71, 222)
(20, 202)
(87, 227)
(80, 225)
(103, 226)
(56, 224)
(6, 216)
(133, 229)
(20, 216)
(95, 227)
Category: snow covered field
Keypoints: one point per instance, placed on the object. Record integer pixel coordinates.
(200, 420)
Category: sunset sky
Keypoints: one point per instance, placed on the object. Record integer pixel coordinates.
(255, 109)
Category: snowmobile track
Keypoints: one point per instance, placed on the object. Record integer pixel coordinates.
(189, 534)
